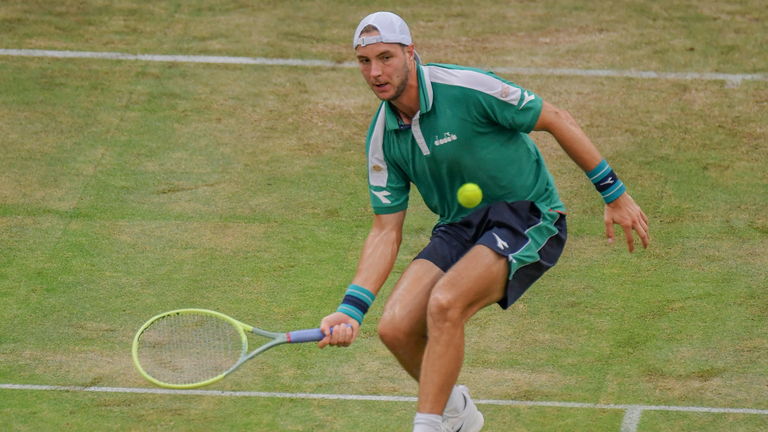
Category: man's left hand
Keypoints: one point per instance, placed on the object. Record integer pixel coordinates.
(625, 212)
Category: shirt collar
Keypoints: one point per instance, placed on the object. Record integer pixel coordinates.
(425, 98)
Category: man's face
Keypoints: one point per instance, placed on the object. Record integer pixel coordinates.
(385, 68)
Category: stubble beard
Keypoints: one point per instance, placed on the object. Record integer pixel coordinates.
(403, 84)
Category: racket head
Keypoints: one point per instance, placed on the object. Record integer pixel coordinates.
(189, 348)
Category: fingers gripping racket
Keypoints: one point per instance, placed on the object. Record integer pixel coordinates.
(189, 348)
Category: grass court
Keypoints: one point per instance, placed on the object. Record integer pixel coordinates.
(128, 188)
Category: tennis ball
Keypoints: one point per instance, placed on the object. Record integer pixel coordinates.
(470, 195)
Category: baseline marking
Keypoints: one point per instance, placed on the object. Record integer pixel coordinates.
(731, 80)
(145, 390)
(630, 422)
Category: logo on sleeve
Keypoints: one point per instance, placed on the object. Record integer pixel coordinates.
(528, 98)
(382, 196)
(505, 91)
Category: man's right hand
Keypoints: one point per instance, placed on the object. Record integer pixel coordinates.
(345, 330)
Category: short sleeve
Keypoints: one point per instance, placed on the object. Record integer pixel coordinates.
(513, 106)
(490, 97)
(393, 197)
(388, 185)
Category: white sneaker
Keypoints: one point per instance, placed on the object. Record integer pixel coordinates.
(445, 428)
(469, 420)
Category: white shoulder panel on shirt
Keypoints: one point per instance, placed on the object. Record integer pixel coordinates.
(475, 81)
(377, 166)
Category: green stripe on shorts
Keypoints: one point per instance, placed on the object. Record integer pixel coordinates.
(537, 237)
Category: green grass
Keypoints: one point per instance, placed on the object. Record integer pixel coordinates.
(654, 421)
(129, 188)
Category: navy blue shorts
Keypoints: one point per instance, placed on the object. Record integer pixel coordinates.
(531, 240)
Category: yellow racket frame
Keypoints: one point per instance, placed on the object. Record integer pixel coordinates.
(241, 329)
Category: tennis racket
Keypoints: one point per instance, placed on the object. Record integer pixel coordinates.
(190, 348)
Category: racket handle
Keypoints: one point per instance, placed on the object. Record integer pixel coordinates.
(309, 335)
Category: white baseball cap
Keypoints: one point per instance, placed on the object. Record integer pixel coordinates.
(392, 29)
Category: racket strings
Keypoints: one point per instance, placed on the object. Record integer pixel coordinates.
(189, 348)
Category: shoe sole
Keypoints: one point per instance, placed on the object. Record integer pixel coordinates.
(476, 425)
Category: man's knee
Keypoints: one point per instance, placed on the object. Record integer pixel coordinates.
(395, 330)
(445, 307)
(387, 332)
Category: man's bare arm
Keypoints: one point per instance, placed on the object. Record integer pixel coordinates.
(380, 251)
(376, 262)
(574, 141)
(569, 135)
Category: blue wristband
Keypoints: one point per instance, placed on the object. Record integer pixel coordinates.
(606, 182)
(356, 303)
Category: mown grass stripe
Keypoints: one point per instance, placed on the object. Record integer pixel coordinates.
(731, 79)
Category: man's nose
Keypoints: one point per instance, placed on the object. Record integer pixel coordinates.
(375, 69)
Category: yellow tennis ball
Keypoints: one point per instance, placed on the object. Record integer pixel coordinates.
(470, 195)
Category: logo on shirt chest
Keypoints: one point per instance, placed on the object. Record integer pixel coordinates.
(447, 137)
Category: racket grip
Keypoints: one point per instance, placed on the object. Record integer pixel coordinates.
(309, 335)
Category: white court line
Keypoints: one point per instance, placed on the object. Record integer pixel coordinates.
(143, 390)
(630, 422)
(173, 58)
(631, 419)
(732, 80)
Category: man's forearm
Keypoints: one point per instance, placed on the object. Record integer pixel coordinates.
(378, 258)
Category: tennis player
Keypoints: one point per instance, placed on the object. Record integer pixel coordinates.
(439, 127)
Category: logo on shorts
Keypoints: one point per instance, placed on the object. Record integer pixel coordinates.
(447, 137)
(501, 244)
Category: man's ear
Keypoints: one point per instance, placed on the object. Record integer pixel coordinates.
(410, 50)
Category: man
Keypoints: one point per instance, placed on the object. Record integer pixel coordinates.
(439, 127)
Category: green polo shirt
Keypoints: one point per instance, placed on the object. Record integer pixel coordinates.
(472, 127)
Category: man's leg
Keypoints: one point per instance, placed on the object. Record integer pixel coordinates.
(477, 280)
(403, 325)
